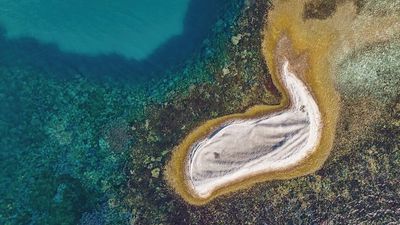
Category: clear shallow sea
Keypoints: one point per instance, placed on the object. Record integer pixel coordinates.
(131, 28)
(71, 75)
(123, 38)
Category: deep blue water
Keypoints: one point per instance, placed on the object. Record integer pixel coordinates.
(72, 74)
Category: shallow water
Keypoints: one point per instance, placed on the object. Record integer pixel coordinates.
(131, 28)
(117, 39)
(73, 74)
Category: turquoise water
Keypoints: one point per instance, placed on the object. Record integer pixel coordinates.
(130, 40)
(133, 29)
(73, 76)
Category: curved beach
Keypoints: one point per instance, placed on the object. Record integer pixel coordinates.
(241, 148)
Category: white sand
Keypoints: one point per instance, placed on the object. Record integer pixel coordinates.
(240, 148)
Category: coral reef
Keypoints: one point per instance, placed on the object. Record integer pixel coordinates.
(58, 154)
